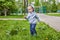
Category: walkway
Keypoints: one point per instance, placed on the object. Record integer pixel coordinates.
(12, 19)
(53, 21)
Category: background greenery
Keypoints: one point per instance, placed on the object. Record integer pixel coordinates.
(13, 6)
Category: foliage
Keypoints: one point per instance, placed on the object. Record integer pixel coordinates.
(58, 6)
(36, 2)
(54, 7)
(7, 6)
(50, 7)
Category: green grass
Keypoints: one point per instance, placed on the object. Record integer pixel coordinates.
(56, 14)
(13, 16)
(20, 30)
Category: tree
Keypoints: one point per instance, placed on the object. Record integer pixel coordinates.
(58, 6)
(36, 2)
(7, 6)
(54, 7)
(51, 7)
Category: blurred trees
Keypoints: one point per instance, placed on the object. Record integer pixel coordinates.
(58, 6)
(11, 6)
(54, 7)
(7, 6)
(50, 5)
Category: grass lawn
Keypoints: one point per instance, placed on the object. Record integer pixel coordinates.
(13, 16)
(19, 30)
(54, 14)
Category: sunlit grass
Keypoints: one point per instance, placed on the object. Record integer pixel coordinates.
(20, 30)
(12, 16)
(54, 14)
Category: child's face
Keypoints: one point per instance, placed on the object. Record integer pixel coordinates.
(30, 9)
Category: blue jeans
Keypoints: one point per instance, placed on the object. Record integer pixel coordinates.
(32, 29)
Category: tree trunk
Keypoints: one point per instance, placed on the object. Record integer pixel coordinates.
(5, 12)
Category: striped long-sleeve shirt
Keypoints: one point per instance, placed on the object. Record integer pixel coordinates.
(32, 18)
